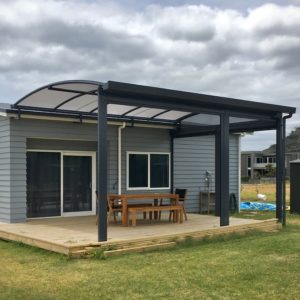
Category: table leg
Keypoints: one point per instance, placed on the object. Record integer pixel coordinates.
(156, 212)
(181, 215)
(124, 212)
(177, 215)
(176, 212)
(133, 218)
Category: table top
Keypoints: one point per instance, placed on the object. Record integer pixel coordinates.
(143, 196)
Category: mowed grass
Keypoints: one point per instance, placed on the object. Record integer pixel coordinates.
(253, 266)
(249, 192)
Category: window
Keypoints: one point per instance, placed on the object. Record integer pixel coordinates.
(249, 161)
(159, 170)
(272, 160)
(259, 160)
(138, 170)
(148, 170)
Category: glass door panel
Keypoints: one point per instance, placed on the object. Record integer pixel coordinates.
(77, 183)
(43, 184)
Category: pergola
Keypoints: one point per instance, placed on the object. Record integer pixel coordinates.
(189, 114)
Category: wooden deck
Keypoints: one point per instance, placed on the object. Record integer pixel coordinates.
(75, 236)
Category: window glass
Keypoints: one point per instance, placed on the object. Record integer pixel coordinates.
(138, 170)
(159, 170)
(77, 189)
(43, 184)
(249, 161)
(259, 160)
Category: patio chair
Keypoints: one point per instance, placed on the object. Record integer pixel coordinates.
(182, 193)
(112, 208)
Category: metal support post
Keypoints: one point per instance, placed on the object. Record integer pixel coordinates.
(102, 166)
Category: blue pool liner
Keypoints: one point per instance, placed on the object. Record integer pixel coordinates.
(257, 206)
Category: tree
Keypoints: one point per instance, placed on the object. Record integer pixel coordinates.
(270, 171)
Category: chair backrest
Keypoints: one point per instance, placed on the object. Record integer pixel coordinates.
(109, 204)
(181, 194)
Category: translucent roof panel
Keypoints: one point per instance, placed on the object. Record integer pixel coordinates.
(145, 112)
(209, 119)
(84, 103)
(173, 115)
(202, 119)
(76, 86)
(240, 120)
(117, 109)
(46, 98)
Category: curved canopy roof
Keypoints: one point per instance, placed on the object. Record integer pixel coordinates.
(82, 97)
(144, 103)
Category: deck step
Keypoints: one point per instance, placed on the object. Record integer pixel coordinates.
(78, 253)
(141, 248)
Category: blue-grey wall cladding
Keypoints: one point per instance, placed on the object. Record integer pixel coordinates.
(5, 155)
(192, 157)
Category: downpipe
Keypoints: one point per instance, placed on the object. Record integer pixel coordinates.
(120, 128)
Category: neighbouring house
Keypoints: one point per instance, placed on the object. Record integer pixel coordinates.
(256, 164)
(62, 142)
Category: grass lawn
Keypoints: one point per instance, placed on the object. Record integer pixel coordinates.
(254, 266)
(249, 191)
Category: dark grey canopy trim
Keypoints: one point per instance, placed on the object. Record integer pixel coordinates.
(194, 99)
(136, 103)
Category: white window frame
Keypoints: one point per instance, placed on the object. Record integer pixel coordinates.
(147, 188)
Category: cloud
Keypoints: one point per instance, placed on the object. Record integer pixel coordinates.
(250, 54)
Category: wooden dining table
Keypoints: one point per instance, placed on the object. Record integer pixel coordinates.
(124, 198)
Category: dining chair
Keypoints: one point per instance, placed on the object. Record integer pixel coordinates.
(182, 193)
(112, 208)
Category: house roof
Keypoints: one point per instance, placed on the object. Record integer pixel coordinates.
(141, 103)
(296, 161)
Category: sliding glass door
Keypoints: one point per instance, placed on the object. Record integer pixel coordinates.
(77, 184)
(43, 184)
(60, 184)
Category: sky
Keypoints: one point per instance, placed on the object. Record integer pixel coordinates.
(243, 49)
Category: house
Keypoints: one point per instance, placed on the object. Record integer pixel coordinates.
(255, 164)
(62, 142)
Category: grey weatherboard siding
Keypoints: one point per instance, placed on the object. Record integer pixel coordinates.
(5, 156)
(192, 157)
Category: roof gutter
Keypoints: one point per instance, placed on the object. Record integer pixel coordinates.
(74, 119)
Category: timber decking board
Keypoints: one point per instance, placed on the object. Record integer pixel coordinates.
(68, 235)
